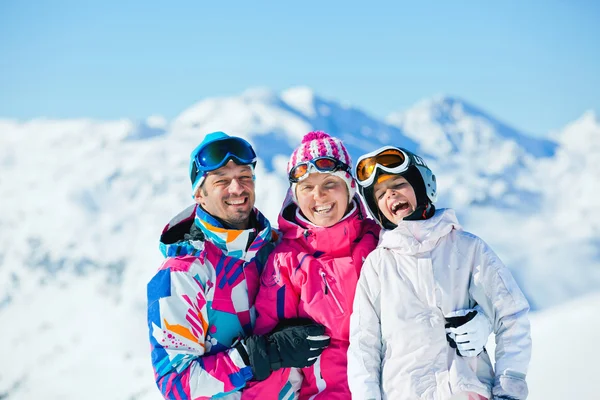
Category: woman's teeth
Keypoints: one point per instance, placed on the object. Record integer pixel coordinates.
(323, 209)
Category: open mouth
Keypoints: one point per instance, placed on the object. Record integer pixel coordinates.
(324, 209)
(400, 207)
(236, 202)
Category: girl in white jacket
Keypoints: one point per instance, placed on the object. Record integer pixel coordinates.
(403, 340)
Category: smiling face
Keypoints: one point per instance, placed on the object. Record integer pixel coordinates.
(228, 194)
(322, 198)
(395, 197)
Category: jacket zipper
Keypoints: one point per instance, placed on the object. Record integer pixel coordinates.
(328, 289)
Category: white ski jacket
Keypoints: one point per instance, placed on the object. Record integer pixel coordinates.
(421, 271)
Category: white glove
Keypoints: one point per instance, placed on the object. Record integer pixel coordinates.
(468, 331)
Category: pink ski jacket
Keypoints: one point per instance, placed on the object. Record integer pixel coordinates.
(313, 274)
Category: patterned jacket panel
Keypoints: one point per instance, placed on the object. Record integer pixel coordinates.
(199, 304)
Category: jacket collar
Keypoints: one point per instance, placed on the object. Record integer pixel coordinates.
(237, 243)
(186, 233)
(414, 237)
(335, 240)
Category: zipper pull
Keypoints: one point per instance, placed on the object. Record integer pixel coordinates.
(325, 282)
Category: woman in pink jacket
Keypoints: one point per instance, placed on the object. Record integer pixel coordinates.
(314, 271)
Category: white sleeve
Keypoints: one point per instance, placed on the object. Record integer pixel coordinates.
(364, 353)
(496, 291)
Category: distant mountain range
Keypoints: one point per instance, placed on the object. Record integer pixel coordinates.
(84, 201)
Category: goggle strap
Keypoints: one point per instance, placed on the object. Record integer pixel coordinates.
(311, 165)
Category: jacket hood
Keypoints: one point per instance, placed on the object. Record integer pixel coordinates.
(325, 239)
(414, 237)
(179, 235)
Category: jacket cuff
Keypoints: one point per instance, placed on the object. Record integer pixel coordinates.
(258, 356)
(510, 386)
(239, 355)
(242, 351)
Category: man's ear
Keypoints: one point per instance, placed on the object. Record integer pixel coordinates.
(199, 197)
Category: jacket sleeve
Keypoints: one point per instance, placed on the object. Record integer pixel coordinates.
(178, 324)
(496, 291)
(277, 298)
(364, 353)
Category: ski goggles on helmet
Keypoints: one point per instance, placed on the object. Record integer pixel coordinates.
(320, 164)
(389, 159)
(216, 154)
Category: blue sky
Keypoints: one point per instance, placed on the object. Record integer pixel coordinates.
(534, 64)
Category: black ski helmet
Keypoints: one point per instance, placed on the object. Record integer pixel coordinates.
(414, 170)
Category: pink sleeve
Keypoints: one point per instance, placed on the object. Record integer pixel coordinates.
(277, 297)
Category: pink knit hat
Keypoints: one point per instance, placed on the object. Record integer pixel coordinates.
(320, 144)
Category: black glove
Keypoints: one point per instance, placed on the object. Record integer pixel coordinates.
(294, 343)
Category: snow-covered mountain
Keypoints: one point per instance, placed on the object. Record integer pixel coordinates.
(83, 203)
(482, 157)
(275, 123)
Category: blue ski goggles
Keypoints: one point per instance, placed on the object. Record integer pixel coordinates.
(216, 154)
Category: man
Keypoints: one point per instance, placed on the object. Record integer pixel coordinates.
(201, 301)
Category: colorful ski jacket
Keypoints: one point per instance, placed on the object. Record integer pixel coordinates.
(313, 274)
(201, 300)
(420, 272)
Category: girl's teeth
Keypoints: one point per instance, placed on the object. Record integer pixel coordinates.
(398, 206)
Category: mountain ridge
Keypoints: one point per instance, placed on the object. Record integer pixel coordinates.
(84, 202)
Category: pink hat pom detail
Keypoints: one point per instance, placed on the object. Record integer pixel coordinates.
(315, 135)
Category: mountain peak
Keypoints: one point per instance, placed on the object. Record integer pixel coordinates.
(437, 107)
(582, 134)
(260, 93)
(588, 121)
(302, 98)
(442, 99)
(299, 91)
(448, 124)
(590, 117)
(444, 106)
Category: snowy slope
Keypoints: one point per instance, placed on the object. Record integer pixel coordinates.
(564, 361)
(83, 203)
(100, 350)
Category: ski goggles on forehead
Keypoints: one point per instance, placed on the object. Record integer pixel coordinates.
(320, 164)
(388, 159)
(216, 154)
